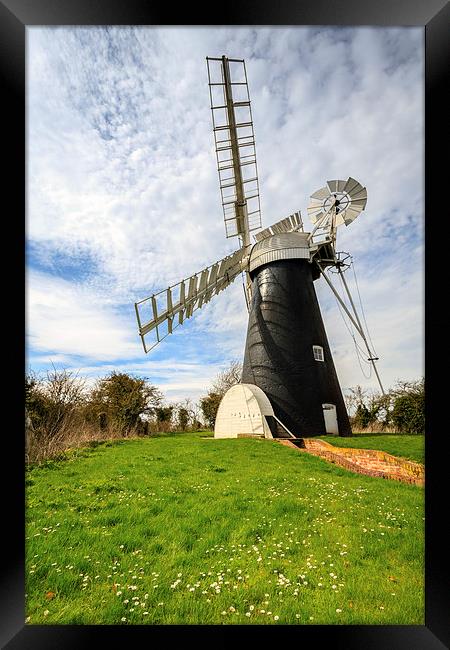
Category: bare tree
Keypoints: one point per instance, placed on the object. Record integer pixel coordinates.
(65, 392)
(223, 382)
(357, 396)
(186, 414)
(227, 378)
(52, 410)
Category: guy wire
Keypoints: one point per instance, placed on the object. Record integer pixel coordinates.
(362, 308)
(360, 354)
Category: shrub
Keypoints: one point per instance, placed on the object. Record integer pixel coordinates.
(186, 415)
(61, 413)
(362, 417)
(401, 409)
(408, 414)
(122, 399)
(209, 406)
(164, 417)
(53, 409)
(183, 418)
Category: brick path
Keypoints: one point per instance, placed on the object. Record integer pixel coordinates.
(362, 461)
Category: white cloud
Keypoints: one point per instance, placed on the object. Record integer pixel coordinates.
(68, 319)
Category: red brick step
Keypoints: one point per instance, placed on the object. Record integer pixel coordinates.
(370, 462)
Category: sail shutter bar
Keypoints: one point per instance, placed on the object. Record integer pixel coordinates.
(201, 287)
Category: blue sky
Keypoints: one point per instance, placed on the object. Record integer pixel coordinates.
(123, 196)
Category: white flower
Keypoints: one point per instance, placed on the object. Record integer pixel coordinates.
(275, 618)
(339, 611)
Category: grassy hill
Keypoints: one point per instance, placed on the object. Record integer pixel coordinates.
(188, 530)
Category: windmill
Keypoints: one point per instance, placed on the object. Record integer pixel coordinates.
(289, 384)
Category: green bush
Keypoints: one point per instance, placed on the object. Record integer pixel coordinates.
(362, 417)
(400, 409)
(183, 418)
(121, 399)
(209, 406)
(164, 418)
(61, 412)
(408, 414)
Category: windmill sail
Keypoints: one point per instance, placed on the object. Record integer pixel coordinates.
(235, 146)
(159, 314)
(293, 222)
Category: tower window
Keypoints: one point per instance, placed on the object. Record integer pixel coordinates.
(318, 352)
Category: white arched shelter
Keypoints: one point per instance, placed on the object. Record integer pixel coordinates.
(242, 411)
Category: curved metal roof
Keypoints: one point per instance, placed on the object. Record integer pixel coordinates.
(282, 246)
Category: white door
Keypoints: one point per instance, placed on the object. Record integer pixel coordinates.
(330, 417)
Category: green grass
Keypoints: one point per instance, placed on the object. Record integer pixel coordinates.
(411, 447)
(185, 530)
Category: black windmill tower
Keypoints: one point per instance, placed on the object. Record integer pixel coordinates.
(287, 354)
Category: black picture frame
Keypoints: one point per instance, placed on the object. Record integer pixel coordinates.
(15, 16)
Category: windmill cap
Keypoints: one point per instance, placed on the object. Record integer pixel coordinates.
(282, 246)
